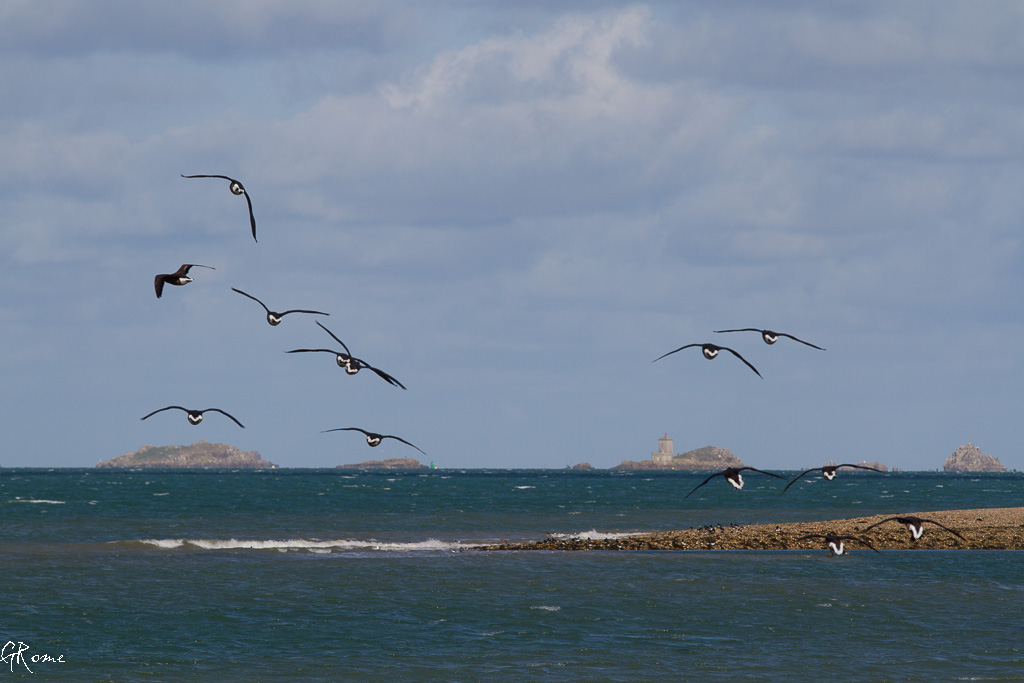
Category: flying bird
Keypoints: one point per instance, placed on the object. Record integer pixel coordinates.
(828, 471)
(373, 438)
(710, 351)
(273, 317)
(915, 525)
(195, 416)
(835, 542)
(770, 337)
(178, 277)
(346, 360)
(733, 476)
(236, 188)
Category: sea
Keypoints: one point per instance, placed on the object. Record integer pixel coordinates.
(342, 575)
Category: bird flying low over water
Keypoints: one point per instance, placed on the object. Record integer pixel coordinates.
(178, 277)
(236, 188)
(710, 351)
(828, 471)
(195, 416)
(373, 438)
(346, 360)
(915, 525)
(273, 317)
(733, 476)
(770, 337)
(835, 542)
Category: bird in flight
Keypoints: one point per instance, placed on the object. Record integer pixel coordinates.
(733, 476)
(178, 277)
(346, 360)
(770, 337)
(710, 351)
(273, 317)
(835, 542)
(236, 188)
(915, 525)
(195, 416)
(372, 438)
(828, 471)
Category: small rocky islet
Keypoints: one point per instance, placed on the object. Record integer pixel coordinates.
(199, 455)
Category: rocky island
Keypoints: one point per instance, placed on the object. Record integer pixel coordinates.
(201, 455)
(970, 459)
(387, 464)
(707, 458)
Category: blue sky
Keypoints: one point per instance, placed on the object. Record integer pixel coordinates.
(513, 208)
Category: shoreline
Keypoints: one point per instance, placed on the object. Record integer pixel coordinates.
(982, 529)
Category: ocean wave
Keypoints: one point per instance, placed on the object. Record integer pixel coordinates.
(42, 501)
(592, 535)
(306, 545)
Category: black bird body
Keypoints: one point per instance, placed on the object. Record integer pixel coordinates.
(733, 476)
(373, 438)
(835, 542)
(177, 278)
(273, 317)
(195, 416)
(710, 352)
(236, 188)
(915, 525)
(827, 471)
(346, 360)
(771, 337)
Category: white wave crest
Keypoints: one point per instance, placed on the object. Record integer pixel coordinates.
(306, 545)
(592, 535)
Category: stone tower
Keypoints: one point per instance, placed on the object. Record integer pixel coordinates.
(665, 451)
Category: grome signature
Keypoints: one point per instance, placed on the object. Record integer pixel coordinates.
(14, 655)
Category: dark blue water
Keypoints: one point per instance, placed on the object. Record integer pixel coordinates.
(327, 575)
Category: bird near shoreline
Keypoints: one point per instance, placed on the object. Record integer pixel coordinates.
(915, 525)
(710, 352)
(273, 317)
(770, 337)
(828, 471)
(733, 476)
(177, 278)
(346, 360)
(835, 542)
(236, 188)
(373, 438)
(195, 416)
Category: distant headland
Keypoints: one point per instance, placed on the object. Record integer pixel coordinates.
(386, 464)
(201, 455)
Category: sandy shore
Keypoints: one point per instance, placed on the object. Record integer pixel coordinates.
(984, 529)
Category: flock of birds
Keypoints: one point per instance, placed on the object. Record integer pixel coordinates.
(352, 365)
(734, 475)
(345, 359)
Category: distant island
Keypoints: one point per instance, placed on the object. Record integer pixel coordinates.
(387, 464)
(970, 459)
(201, 455)
(707, 458)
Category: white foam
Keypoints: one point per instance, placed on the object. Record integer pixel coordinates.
(306, 545)
(593, 535)
(42, 501)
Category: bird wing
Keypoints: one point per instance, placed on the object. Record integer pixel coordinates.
(793, 480)
(783, 334)
(335, 338)
(860, 467)
(380, 373)
(346, 429)
(887, 519)
(253, 298)
(312, 351)
(300, 310)
(252, 218)
(158, 284)
(744, 329)
(210, 176)
(859, 540)
(218, 410)
(932, 521)
(742, 359)
(716, 474)
(671, 352)
(162, 410)
(777, 476)
(398, 438)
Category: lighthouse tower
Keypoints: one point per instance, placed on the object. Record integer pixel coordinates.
(665, 451)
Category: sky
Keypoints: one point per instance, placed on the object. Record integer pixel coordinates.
(513, 209)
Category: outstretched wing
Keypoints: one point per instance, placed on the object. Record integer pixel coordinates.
(710, 477)
(742, 359)
(783, 334)
(887, 519)
(932, 521)
(671, 352)
(162, 410)
(777, 476)
(300, 310)
(253, 298)
(218, 410)
(398, 438)
(252, 218)
(805, 472)
(312, 351)
(335, 338)
(745, 329)
(860, 467)
(380, 373)
(210, 176)
(347, 429)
